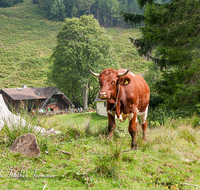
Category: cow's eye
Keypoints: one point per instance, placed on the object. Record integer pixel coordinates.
(113, 82)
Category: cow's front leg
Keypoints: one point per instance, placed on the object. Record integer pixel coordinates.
(118, 109)
(111, 124)
(133, 132)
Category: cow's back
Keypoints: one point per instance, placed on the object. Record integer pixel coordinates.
(137, 90)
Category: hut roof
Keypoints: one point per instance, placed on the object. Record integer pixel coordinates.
(35, 93)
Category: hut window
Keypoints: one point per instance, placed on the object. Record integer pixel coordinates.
(53, 100)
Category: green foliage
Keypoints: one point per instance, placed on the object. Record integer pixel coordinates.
(152, 76)
(43, 144)
(195, 121)
(9, 3)
(188, 135)
(171, 40)
(133, 19)
(85, 178)
(106, 166)
(85, 4)
(57, 10)
(167, 180)
(74, 11)
(160, 115)
(106, 12)
(106, 163)
(82, 45)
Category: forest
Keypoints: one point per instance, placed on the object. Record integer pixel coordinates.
(107, 12)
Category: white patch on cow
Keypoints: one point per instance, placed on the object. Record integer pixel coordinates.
(130, 117)
(143, 115)
(123, 117)
(132, 74)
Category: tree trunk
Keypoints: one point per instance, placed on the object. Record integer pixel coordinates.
(85, 96)
(98, 14)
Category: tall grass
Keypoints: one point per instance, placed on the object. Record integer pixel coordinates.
(25, 123)
(169, 158)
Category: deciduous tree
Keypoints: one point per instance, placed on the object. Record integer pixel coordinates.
(81, 45)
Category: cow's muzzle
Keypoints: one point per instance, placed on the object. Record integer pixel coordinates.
(103, 95)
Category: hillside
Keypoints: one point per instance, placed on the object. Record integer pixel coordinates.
(27, 40)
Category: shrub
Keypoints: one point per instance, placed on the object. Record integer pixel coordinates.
(106, 166)
(195, 121)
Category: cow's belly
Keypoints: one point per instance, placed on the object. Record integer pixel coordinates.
(123, 116)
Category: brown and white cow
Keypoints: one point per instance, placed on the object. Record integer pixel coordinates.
(127, 96)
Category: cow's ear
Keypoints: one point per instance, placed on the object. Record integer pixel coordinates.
(124, 81)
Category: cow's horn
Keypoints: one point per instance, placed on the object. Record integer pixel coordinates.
(123, 74)
(95, 74)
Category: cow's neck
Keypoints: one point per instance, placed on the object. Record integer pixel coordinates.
(116, 99)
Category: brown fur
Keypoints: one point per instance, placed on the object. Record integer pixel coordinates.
(134, 95)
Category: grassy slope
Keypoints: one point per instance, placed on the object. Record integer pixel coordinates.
(124, 51)
(27, 40)
(26, 43)
(169, 157)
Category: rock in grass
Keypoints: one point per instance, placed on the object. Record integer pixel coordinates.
(26, 145)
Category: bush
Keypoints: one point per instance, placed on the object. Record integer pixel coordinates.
(195, 121)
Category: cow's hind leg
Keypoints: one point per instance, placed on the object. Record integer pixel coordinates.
(144, 124)
(144, 128)
(136, 123)
(133, 132)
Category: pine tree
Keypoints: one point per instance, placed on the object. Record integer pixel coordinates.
(171, 39)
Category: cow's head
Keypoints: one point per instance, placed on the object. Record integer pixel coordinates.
(109, 80)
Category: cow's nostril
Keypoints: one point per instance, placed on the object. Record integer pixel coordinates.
(102, 94)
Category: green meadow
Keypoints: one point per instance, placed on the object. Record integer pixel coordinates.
(83, 157)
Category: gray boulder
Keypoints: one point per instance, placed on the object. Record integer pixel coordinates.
(26, 145)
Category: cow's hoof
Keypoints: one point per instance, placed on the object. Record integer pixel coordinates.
(110, 137)
(144, 139)
(134, 148)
